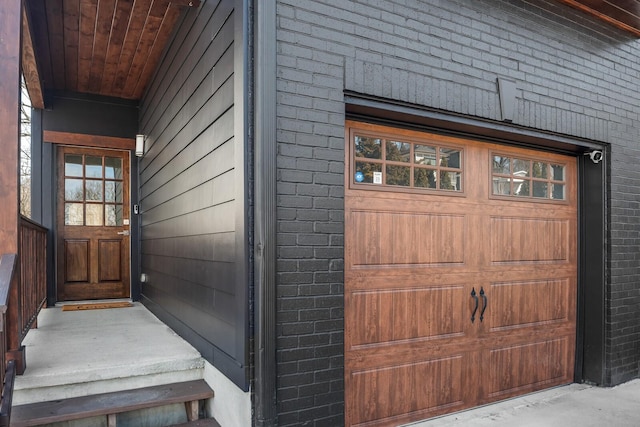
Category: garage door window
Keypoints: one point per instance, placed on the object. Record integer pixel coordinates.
(519, 177)
(394, 162)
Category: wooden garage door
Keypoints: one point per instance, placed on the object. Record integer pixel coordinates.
(460, 273)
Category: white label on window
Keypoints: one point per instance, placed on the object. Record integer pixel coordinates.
(377, 177)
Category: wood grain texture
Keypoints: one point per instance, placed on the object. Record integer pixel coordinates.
(109, 403)
(413, 260)
(107, 47)
(110, 259)
(112, 142)
(30, 68)
(624, 14)
(11, 19)
(76, 260)
(99, 268)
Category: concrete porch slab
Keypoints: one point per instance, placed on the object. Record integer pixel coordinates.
(74, 353)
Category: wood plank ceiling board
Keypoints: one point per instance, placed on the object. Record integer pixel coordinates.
(104, 24)
(116, 36)
(70, 42)
(30, 68)
(164, 34)
(55, 20)
(624, 14)
(132, 39)
(86, 42)
(103, 47)
(36, 11)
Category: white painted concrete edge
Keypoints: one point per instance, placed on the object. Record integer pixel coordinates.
(230, 406)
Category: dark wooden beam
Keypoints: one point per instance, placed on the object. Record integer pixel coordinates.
(10, 30)
(188, 3)
(624, 15)
(84, 140)
(30, 68)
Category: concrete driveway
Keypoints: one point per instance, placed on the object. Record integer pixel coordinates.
(574, 405)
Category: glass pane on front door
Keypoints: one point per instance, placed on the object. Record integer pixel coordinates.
(95, 186)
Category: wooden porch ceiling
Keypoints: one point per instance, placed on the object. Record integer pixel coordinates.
(623, 14)
(104, 47)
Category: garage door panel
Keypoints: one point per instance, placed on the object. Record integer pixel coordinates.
(407, 314)
(529, 303)
(396, 394)
(518, 369)
(529, 240)
(391, 239)
(413, 257)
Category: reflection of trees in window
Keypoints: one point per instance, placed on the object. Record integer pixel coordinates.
(368, 147)
(425, 178)
(530, 178)
(396, 174)
(408, 164)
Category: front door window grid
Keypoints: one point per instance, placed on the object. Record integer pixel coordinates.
(93, 190)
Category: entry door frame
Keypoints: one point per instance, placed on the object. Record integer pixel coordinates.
(129, 256)
(594, 185)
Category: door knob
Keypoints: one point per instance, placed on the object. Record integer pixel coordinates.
(124, 233)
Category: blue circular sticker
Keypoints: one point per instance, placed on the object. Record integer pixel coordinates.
(359, 177)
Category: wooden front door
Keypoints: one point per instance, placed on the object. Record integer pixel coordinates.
(460, 273)
(93, 224)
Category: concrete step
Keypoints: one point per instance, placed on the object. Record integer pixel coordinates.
(76, 353)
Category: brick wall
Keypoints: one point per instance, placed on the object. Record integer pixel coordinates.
(575, 76)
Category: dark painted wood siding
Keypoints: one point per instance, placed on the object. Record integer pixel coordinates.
(190, 187)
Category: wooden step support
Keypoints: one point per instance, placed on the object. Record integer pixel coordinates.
(112, 404)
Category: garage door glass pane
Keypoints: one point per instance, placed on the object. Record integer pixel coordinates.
(450, 158)
(540, 189)
(501, 165)
(557, 191)
(528, 178)
(402, 164)
(398, 151)
(424, 178)
(366, 170)
(521, 167)
(424, 155)
(369, 148)
(558, 172)
(501, 186)
(540, 169)
(398, 175)
(450, 181)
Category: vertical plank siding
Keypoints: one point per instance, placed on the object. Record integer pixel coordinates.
(188, 187)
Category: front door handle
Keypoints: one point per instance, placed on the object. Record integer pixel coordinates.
(123, 233)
